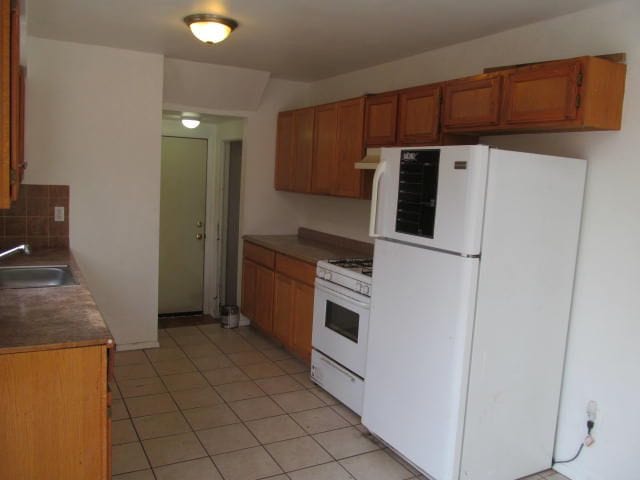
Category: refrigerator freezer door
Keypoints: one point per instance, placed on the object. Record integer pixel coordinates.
(459, 205)
(419, 338)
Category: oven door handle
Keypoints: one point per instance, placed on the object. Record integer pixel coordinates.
(344, 371)
(320, 286)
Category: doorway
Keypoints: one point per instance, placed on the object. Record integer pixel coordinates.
(230, 225)
(183, 193)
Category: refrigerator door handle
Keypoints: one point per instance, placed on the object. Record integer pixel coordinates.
(374, 199)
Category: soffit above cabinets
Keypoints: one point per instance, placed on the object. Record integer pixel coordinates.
(291, 39)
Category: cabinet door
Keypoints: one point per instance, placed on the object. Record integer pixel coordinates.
(380, 120)
(472, 103)
(264, 298)
(284, 152)
(419, 115)
(17, 105)
(324, 149)
(542, 93)
(302, 149)
(5, 102)
(283, 309)
(302, 320)
(350, 147)
(248, 300)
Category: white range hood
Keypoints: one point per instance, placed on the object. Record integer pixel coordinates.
(370, 160)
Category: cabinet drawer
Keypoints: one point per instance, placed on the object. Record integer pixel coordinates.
(301, 271)
(260, 255)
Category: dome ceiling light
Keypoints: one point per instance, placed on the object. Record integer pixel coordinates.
(210, 28)
(190, 120)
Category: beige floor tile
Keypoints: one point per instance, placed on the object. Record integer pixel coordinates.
(256, 408)
(200, 469)
(118, 410)
(139, 387)
(275, 429)
(261, 343)
(401, 461)
(184, 381)
(225, 375)
(191, 340)
(281, 384)
(212, 362)
(171, 367)
(203, 350)
(227, 438)
(247, 358)
(319, 420)
(164, 354)
(325, 396)
(167, 342)
(303, 379)
(150, 405)
(249, 464)
(233, 345)
(375, 466)
(130, 357)
(139, 475)
(298, 453)
(173, 449)
(209, 417)
(262, 370)
(182, 331)
(327, 471)
(349, 415)
(298, 401)
(161, 425)
(122, 431)
(274, 354)
(128, 372)
(128, 457)
(345, 442)
(293, 365)
(239, 391)
(199, 397)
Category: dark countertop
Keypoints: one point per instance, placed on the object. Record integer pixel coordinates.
(51, 317)
(305, 249)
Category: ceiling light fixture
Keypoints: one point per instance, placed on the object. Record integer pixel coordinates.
(210, 28)
(190, 121)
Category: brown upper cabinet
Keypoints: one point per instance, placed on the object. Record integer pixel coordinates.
(11, 104)
(585, 93)
(419, 115)
(294, 150)
(325, 140)
(381, 119)
(472, 102)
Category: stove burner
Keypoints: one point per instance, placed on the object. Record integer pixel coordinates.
(367, 271)
(353, 263)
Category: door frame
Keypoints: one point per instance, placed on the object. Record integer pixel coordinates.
(223, 180)
(214, 215)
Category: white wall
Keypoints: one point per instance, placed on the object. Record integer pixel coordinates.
(93, 122)
(603, 354)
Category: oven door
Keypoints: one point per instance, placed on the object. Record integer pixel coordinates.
(341, 325)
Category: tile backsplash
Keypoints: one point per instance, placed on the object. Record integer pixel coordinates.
(31, 218)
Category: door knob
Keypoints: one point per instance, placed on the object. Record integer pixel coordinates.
(199, 224)
(199, 236)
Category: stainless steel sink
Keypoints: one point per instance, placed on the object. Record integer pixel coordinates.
(35, 277)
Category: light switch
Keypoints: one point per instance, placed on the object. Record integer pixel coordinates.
(58, 214)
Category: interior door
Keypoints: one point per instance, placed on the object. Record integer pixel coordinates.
(182, 216)
(420, 330)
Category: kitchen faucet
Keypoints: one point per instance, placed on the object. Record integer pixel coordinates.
(24, 248)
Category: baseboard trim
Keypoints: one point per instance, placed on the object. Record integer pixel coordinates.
(122, 347)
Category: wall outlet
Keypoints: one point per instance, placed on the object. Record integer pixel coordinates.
(58, 214)
(592, 410)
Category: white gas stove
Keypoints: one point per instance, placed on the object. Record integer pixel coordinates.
(351, 273)
(341, 328)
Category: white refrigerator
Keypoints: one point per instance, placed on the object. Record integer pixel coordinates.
(473, 275)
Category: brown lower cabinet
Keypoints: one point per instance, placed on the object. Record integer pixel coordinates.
(278, 299)
(55, 414)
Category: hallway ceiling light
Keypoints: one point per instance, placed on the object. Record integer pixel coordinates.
(210, 28)
(190, 121)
